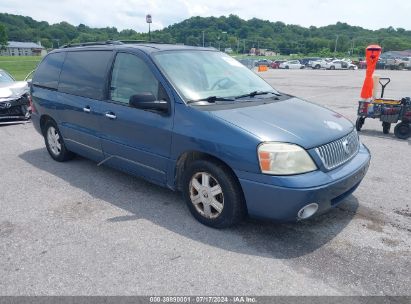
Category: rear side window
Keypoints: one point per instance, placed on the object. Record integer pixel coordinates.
(84, 73)
(48, 72)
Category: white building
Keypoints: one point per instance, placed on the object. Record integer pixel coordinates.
(15, 48)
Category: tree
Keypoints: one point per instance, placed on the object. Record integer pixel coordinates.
(3, 36)
(219, 31)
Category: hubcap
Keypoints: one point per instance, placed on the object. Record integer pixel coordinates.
(53, 139)
(206, 195)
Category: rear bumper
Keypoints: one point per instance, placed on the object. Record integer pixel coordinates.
(35, 120)
(280, 198)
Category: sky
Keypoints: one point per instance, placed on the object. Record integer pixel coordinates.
(130, 14)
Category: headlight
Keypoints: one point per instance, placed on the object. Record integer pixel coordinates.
(284, 159)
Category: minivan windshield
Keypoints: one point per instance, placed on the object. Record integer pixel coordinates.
(201, 74)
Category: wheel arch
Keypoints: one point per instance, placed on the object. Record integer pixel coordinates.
(43, 121)
(189, 156)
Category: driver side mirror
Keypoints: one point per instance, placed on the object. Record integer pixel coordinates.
(147, 101)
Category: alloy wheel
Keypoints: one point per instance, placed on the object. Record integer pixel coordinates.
(53, 139)
(206, 195)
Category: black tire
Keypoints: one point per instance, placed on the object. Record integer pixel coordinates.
(359, 123)
(351, 68)
(233, 209)
(63, 154)
(402, 130)
(317, 67)
(287, 67)
(386, 126)
(332, 67)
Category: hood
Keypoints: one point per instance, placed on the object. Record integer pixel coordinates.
(293, 120)
(13, 90)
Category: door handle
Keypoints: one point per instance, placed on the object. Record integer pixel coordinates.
(111, 115)
(87, 109)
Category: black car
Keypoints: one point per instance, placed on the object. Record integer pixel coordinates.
(266, 62)
(14, 98)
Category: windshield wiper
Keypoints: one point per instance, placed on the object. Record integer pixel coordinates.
(210, 99)
(255, 93)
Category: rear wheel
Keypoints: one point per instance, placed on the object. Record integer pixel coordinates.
(55, 143)
(386, 126)
(317, 67)
(213, 194)
(332, 67)
(402, 130)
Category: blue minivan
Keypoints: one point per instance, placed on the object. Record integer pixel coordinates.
(196, 120)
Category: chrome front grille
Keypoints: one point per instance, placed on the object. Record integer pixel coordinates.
(340, 151)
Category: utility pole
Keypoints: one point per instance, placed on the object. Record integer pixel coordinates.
(203, 38)
(244, 46)
(352, 48)
(335, 47)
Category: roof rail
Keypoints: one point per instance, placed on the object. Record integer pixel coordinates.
(108, 42)
(133, 41)
(138, 41)
(91, 43)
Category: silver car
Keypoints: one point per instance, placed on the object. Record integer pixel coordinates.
(14, 98)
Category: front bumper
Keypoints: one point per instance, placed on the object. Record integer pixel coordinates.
(280, 198)
(15, 109)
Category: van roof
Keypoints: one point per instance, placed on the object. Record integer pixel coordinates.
(147, 47)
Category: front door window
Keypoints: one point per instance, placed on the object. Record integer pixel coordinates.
(131, 76)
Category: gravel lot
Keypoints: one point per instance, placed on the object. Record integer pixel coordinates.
(77, 229)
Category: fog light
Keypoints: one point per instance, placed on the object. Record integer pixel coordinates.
(307, 211)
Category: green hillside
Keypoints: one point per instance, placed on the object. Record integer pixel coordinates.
(230, 31)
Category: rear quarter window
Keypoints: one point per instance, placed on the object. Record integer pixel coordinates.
(48, 72)
(84, 73)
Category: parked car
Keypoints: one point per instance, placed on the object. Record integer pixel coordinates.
(319, 64)
(398, 63)
(292, 64)
(197, 121)
(340, 65)
(276, 64)
(14, 98)
(362, 64)
(307, 61)
(249, 63)
(266, 62)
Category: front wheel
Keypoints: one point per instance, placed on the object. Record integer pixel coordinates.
(332, 67)
(402, 130)
(287, 67)
(213, 194)
(55, 143)
(359, 123)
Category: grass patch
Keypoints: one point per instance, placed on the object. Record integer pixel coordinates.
(19, 66)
